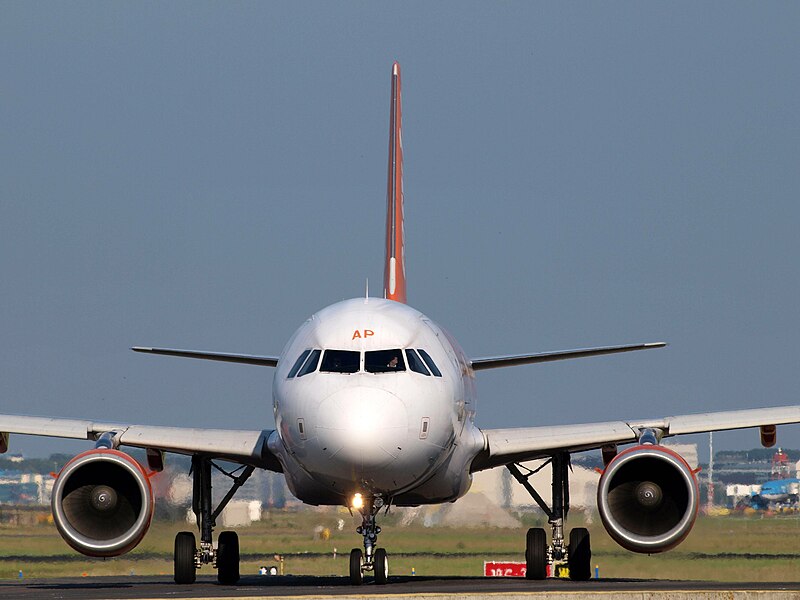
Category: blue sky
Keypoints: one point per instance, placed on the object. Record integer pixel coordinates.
(207, 175)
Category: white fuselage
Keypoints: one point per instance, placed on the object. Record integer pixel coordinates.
(368, 413)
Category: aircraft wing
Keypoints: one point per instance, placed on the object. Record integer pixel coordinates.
(243, 446)
(248, 359)
(504, 446)
(493, 362)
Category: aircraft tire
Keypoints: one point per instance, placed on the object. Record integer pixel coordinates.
(536, 553)
(356, 561)
(580, 555)
(185, 550)
(381, 567)
(228, 558)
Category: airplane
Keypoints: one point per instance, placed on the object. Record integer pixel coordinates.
(781, 490)
(777, 492)
(374, 407)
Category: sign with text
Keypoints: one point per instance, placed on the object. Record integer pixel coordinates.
(503, 569)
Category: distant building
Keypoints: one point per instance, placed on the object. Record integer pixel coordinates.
(739, 491)
(267, 488)
(748, 467)
(18, 488)
(502, 490)
(238, 513)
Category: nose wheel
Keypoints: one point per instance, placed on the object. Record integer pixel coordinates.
(381, 566)
(356, 566)
(372, 558)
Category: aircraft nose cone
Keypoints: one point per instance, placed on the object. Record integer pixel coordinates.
(362, 429)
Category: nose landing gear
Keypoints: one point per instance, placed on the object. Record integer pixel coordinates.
(372, 558)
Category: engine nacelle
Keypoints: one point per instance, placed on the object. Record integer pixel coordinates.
(648, 499)
(102, 503)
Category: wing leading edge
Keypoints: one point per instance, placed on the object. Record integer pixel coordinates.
(505, 446)
(243, 446)
(248, 359)
(494, 362)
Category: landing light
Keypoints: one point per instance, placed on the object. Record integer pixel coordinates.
(357, 502)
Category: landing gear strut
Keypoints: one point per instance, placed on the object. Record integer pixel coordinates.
(225, 557)
(577, 556)
(372, 558)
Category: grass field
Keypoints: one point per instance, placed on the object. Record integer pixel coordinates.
(719, 548)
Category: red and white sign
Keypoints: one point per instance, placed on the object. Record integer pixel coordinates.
(503, 569)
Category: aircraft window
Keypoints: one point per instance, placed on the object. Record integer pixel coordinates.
(384, 361)
(299, 363)
(415, 363)
(341, 361)
(311, 364)
(429, 361)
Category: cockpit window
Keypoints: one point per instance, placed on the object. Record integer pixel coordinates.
(429, 361)
(341, 361)
(384, 361)
(415, 363)
(298, 363)
(311, 363)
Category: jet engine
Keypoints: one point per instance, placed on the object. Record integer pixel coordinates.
(102, 503)
(648, 499)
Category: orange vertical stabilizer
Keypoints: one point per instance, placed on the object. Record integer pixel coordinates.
(394, 275)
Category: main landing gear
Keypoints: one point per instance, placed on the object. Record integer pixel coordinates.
(372, 558)
(576, 555)
(225, 557)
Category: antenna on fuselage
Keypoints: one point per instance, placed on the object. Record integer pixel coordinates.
(366, 291)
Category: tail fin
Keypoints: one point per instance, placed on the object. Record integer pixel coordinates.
(394, 275)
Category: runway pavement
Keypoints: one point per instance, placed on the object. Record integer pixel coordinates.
(122, 588)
